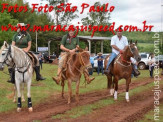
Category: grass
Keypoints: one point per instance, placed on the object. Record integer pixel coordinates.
(149, 117)
(43, 89)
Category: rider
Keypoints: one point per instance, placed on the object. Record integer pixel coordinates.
(69, 45)
(22, 39)
(119, 44)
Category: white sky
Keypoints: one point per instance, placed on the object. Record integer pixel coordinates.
(126, 12)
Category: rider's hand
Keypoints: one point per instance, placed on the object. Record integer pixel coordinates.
(25, 49)
(72, 51)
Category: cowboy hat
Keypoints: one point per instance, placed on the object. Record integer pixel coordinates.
(21, 25)
(99, 53)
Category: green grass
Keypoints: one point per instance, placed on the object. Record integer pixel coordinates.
(149, 117)
(44, 89)
(88, 109)
(145, 47)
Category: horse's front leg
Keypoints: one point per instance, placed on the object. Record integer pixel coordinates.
(19, 105)
(110, 85)
(116, 88)
(14, 100)
(29, 96)
(69, 91)
(23, 99)
(77, 91)
(128, 81)
(62, 84)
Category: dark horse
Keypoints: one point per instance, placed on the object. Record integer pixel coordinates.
(76, 64)
(121, 67)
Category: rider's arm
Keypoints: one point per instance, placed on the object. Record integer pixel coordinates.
(115, 47)
(28, 48)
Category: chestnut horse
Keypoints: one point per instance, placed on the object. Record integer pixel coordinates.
(121, 67)
(76, 63)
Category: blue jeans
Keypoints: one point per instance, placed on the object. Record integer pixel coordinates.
(91, 72)
(112, 57)
(135, 67)
(100, 67)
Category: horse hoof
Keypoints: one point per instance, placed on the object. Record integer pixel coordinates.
(115, 99)
(128, 100)
(30, 109)
(18, 109)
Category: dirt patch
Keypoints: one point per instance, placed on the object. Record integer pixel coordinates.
(57, 105)
(122, 111)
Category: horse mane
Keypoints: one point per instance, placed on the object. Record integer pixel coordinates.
(19, 56)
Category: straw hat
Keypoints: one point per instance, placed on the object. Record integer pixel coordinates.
(99, 53)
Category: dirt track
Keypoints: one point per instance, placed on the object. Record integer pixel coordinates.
(57, 105)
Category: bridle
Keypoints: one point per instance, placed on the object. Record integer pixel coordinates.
(6, 58)
(12, 61)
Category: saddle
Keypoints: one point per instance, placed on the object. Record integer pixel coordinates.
(33, 58)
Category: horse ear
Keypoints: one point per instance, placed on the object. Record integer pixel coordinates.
(5, 44)
(130, 41)
(136, 42)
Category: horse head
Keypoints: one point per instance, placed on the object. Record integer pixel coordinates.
(134, 52)
(84, 58)
(3, 54)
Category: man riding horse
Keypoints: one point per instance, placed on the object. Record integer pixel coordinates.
(22, 39)
(118, 43)
(69, 45)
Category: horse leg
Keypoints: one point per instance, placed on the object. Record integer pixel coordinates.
(109, 85)
(116, 88)
(14, 100)
(77, 91)
(23, 100)
(69, 91)
(62, 84)
(128, 81)
(19, 105)
(30, 109)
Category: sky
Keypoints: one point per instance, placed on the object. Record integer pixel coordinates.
(126, 12)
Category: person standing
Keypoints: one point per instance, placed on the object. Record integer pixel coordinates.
(40, 58)
(92, 63)
(151, 64)
(100, 59)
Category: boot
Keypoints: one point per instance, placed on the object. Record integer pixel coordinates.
(136, 72)
(38, 75)
(86, 75)
(12, 75)
(57, 79)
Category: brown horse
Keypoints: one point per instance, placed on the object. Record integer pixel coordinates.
(121, 67)
(76, 64)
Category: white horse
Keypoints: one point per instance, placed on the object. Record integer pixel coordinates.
(17, 58)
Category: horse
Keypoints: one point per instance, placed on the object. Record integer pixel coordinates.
(76, 64)
(15, 57)
(121, 67)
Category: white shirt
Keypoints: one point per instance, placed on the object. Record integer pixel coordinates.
(119, 43)
(133, 60)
